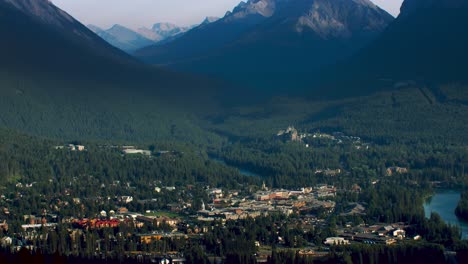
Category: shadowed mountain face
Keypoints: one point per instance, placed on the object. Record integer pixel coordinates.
(426, 43)
(38, 37)
(273, 44)
(57, 78)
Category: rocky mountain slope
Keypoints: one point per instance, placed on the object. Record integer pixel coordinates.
(273, 44)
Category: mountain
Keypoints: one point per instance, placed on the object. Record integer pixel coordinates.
(162, 31)
(59, 79)
(37, 36)
(425, 44)
(273, 44)
(122, 37)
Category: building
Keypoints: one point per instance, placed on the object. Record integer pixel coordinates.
(97, 224)
(4, 226)
(126, 199)
(131, 151)
(396, 170)
(399, 233)
(336, 241)
(149, 238)
(158, 220)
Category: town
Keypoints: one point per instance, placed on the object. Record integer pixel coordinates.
(308, 208)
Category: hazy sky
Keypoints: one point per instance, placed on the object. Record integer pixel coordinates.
(137, 13)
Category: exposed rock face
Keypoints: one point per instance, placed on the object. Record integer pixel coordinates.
(265, 8)
(341, 18)
(328, 18)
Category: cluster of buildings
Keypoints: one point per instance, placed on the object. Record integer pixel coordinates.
(96, 223)
(291, 134)
(231, 206)
(375, 234)
(328, 172)
(72, 147)
(396, 170)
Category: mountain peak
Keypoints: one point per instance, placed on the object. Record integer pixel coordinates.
(330, 18)
(117, 26)
(209, 20)
(164, 26)
(265, 8)
(122, 37)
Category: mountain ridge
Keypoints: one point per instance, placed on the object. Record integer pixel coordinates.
(122, 37)
(266, 43)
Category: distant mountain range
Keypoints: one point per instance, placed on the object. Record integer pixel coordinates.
(129, 40)
(273, 44)
(122, 37)
(161, 31)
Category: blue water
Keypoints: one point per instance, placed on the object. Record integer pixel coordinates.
(241, 170)
(444, 203)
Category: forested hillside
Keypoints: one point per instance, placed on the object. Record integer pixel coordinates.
(58, 79)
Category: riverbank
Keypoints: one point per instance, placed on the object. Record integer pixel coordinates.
(444, 203)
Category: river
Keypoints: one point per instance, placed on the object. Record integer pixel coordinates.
(444, 203)
(242, 171)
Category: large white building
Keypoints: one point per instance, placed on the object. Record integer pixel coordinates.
(336, 241)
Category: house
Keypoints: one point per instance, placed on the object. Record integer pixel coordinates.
(396, 170)
(74, 147)
(4, 226)
(122, 210)
(126, 199)
(399, 233)
(6, 241)
(385, 230)
(329, 172)
(80, 147)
